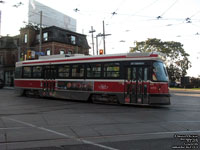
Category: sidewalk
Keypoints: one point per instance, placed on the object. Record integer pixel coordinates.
(184, 90)
(8, 87)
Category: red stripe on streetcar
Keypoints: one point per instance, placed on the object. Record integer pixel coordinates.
(28, 83)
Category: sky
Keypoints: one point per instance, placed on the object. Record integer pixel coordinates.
(126, 21)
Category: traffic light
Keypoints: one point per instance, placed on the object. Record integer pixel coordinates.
(101, 51)
(28, 54)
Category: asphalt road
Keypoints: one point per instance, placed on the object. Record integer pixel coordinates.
(47, 124)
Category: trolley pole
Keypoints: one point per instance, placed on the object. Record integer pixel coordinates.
(92, 31)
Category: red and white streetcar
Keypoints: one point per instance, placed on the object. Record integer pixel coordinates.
(131, 78)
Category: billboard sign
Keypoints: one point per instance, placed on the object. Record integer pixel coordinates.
(50, 17)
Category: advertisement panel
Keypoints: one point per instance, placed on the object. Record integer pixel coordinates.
(50, 17)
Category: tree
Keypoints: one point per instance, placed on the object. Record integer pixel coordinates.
(176, 59)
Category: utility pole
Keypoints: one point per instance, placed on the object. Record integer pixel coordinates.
(92, 31)
(97, 44)
(18, 52)
(98, 35)
(104, 41)
(40, 48)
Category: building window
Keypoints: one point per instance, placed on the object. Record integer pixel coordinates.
(69, 52)
(45, 36)
(73, 39)
(48, 52)
(25, 38)
(62, 52)
(38, 37)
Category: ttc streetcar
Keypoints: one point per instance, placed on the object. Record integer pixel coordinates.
(130, 78)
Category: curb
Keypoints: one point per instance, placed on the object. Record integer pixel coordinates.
(8, 88)
(185, 90)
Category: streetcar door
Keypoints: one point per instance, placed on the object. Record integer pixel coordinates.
(136, 84)
(49, 73)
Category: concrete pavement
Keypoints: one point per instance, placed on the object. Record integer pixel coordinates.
(33, 123)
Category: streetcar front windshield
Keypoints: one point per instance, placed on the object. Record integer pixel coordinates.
(159, 72)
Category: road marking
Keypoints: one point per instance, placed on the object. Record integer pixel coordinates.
(170, 132)
(61, 134)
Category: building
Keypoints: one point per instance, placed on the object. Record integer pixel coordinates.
(55, 41)
(8, 57)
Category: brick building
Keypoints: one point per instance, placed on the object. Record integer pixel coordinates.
(55, 41)
(8, 57)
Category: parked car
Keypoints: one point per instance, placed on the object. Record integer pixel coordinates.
(1, 83)
(175, 84)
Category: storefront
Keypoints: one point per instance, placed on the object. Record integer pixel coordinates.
(7, 76)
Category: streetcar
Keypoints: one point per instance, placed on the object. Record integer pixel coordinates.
(129, 78)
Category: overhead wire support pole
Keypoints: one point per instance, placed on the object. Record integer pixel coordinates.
(92, 31)
(98, 35)
(40, 48)
(97, 43)
(104, 41)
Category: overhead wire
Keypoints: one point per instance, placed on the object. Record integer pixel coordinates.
(136, 14)
(159, 17)
(146, 7)
(120, 5)
(195, 14)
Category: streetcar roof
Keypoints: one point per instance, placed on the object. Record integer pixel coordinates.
(63, 59)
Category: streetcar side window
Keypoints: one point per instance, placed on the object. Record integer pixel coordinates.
(134, 74)
(93, 70)
(78, 71)
(112, 70)
(146, 75)
(27, 72)
(18, 72)
(37, 72)
(64, 71)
